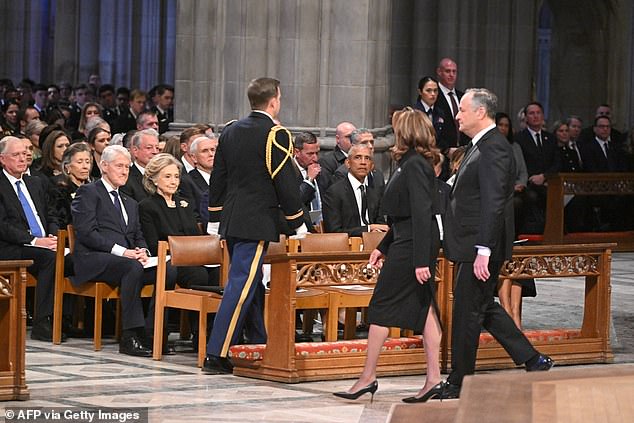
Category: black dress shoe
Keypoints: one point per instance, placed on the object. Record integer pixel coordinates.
(434, 392)
(214, 365)
(371, 388)
(542, 364)
(303, 337)
(448, 391)
(43, 331)
(131, 345)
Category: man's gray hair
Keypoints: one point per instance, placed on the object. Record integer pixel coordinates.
(484, 98)
(193, 148)
(4, 142)
(138, 136)
(354, 135)
(112, 151)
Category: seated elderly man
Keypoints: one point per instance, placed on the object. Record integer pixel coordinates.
(110, 246)
(351, 205)
(26, 223)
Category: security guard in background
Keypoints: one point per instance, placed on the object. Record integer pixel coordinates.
(253, 178)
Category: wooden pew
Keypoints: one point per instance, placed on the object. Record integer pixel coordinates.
(588, 344)
(13, 279)
(587, 184)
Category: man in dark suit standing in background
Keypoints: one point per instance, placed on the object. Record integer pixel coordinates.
(110, 247)
(331, 161)
(479, 237)
(448, 100)
(28, 229)
(541, 155)
(253, 178)
(351, 205)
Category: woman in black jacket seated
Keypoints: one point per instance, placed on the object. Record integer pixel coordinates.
(75, 164)
(165, 213)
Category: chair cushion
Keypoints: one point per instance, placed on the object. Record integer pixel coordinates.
(254, 352)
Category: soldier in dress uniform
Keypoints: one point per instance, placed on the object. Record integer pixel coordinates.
(253, 178)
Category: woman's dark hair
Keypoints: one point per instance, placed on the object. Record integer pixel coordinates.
(501, 115)
(93, 134)
(7, 103)
(54, 115)
(423, 81)
(48, 158)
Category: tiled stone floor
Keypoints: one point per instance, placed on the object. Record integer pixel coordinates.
(174, 390)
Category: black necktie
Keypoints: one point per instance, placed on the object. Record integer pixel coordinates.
(117, 205)
(538, 140)
(454, 103)
(364, 205)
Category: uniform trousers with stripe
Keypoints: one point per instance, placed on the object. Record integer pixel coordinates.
(242, 305)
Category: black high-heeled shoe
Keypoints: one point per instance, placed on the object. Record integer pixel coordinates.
(435, 392)
(371, 388)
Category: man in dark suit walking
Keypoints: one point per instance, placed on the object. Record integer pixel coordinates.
(28, 228)
(351, 205)
(110, 247)
(479, 237)
(253, 178)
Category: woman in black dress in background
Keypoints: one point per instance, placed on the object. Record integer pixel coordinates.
(404, 293)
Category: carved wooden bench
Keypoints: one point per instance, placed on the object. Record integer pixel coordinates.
(588, 344)
(587, 184)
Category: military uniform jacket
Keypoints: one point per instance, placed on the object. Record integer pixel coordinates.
(253, 177)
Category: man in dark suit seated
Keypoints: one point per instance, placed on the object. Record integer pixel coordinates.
(351, 205)
(312, 185)
(110, 247)
(363, 136)
(203, 149)
(28, 228)
(542, 158)
(604, 154)
(331, 161)
(143, 147)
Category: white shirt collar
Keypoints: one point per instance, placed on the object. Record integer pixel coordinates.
(141, 169)
(301, 168)
(446, 90)
(109, 187)
(204, 174)
(480, 134)
(355, 182)
(12, 179)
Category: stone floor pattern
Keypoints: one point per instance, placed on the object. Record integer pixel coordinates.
(174, 390)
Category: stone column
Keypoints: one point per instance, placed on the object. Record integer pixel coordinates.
(331, 57)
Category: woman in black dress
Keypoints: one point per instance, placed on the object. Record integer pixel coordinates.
(404, 293)
(166, 213)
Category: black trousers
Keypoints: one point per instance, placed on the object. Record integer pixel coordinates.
(474, 307)
(43, 268)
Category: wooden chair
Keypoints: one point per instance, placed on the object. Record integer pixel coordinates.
(188, 251)
(371, 240)
(98, 290)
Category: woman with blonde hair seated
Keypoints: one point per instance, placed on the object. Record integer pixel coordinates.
(166, 213)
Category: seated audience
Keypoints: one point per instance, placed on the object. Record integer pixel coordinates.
(28, 229)
(9, 123)
(350, 205)
(144, 146)
(204, 151)
(32, 132)
(331, 161)
(311, 183)
(110, 247)
(375, 177)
